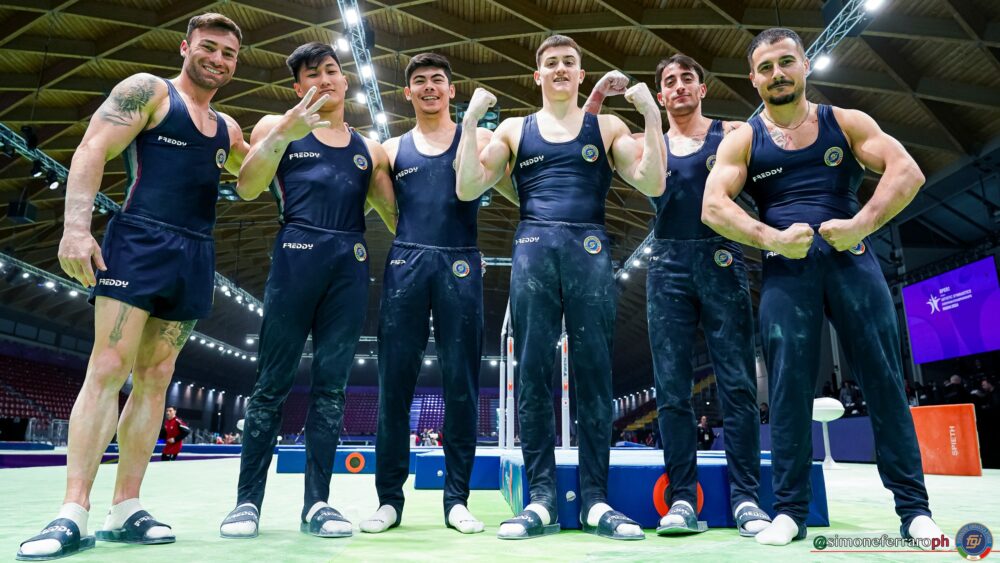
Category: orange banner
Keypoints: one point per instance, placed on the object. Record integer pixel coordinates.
(949, 444)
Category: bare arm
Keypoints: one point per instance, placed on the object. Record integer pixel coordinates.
(477, 171)
(238, 146)
(900, 182)
(504, 185)
(269, 139)
(725, 217)
(116, 123)
(642, 165)
(381, 196)
(611, 84)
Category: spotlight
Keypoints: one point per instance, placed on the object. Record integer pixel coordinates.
(30, 138)
(37, 170)
(647, 250)
(380, 117)
(202, 341)
(342, 45)
(366, 71)
(251, 306)
(244, 356)
(211, 344)
(25, 275)
(74, 293)
(427, 362)
(249, 340)
(253, 358)
(373, 135)
(260, 312)
(361, 361)
(53, 180)
(239, 299)
(361, 98)
(193, 337)
(351, 17)
(636, 263)
(624, 275)
(873, 5)
(50, 284)
(493, 363)
(822, 62)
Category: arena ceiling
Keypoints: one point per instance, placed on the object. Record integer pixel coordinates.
(927, 70)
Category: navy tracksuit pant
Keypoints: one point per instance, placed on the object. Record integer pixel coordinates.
(563, 269)
(692, 281)
(448, 282)
(318, 283)
(849, 288)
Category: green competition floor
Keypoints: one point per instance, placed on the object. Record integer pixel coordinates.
(194, 496)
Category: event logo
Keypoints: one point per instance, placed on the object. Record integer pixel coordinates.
(590, 153)
(359, 252)
(361, 162)
(935, 303)
(857, 249)
(974, 541)
(592, 244)
(710, 163)
(220, 157)
(460, 268)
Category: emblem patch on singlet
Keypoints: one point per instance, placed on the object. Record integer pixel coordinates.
(710, 163)
(592, 244)
(857, 249)
(454, 164)
(833, 156)
(361, 162)
(723, 258)
(460, 268)
(590, 153)
(359, 252)
(220, 158)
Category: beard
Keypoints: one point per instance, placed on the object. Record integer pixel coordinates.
(206, 80)
(784, 99)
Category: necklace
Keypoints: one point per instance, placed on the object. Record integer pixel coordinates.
(796, 126)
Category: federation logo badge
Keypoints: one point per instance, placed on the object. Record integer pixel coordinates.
(857, 249)
(592, 244)
(723, 258)
(710, 163)
(460, 268)
(590, 153)
(833, 156)
(220, 158)
(361, 162)
(360, 253)
(974, 541)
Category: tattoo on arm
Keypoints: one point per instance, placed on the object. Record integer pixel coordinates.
(116, 331)
(128, 101)
(177, 333)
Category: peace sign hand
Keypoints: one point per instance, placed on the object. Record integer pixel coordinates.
(302, 118)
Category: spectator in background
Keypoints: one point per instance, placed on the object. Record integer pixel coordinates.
(955, 393)
(705, 435)
(765, 413)
(827, 390)
(173, 432)
(846, 397)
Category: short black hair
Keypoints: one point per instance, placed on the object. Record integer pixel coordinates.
(682, 61)
(770, 37)
(310, 55)
(424, 60)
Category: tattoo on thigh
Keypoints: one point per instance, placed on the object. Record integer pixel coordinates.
(177, 333)
(116, 332)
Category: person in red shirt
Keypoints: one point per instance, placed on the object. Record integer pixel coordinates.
(173, 432)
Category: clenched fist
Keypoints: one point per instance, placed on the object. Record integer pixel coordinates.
(793, 242)
(481, 101)
(613, 83)
(640, 97)
(842, 234)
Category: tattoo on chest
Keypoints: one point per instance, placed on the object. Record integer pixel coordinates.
(780, 138)
(682, 146)
(125, 105)
(211, 116)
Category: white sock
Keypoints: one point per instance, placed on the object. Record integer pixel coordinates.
(240, 528)
(330, 526)
(71, 511)
(379, 522)
(753, 526)
(122, 511)
(675, 519)
(463, 520)
(514, 530)
(598, 510)
(780, 532)
(922, 527)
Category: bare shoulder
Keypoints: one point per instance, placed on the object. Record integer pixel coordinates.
(737, 142)
(730, 126)
(376, 150)
(854, 123)
(611, 123)
(509, 130)
(141, 84)
(134, 96)
(391, 145)
(231, 123)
